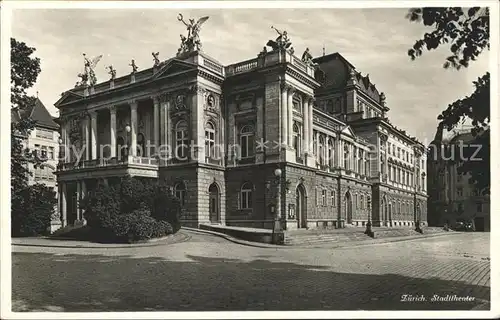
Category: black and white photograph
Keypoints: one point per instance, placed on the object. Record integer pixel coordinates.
(288, 159)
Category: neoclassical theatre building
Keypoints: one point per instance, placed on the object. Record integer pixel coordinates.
(216, 134)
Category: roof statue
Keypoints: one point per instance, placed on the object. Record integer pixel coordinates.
(112, 72)
(282, 42)
(307, 58)
(134, 66)
(88, 76)
(192, 42)
(156, 60)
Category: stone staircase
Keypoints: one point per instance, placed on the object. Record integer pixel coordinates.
(317, 236)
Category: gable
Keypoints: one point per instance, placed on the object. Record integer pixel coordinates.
(174, 67)
(68, 97)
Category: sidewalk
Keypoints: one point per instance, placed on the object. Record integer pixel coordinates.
(366, 242)
(63, 243)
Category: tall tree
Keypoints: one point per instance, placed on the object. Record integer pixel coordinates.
(467, 32)
(31, 206)
(24, 72)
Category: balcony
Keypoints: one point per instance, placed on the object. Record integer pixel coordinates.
(111, 162)
(269, 59)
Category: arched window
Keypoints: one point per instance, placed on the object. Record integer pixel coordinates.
(382, 165)
(180, 192)
(181, 140)
(321, 150)
(247, 135)
(246, 195)
(210, 140)
(360, 161)
(331, 153)
(297, 138)
(346, 156)
(141, 145)
(367, 165)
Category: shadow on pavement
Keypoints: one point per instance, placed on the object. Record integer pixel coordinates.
(87, 283)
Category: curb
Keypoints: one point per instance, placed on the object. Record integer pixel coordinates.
(233, 239)
(85, 244)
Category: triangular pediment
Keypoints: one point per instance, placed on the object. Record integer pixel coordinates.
(347, 130)
(173, 67)
(68, 97)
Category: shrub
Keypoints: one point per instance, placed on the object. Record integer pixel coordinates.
(131, 211)
(32, 210)
(101, 207)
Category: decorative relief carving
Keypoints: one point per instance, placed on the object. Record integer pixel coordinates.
(180, 102)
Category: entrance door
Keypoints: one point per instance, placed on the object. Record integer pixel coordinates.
(300, 204)
(348, 207)
(213, 203)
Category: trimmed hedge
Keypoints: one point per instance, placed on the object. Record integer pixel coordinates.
(133, 210)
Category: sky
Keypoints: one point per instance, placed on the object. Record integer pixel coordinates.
(375, 41)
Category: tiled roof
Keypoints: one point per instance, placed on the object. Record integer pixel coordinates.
(40, 114)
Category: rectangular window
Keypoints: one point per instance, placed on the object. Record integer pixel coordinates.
(43, 153)
(460, 191)
(479, 207)
(323, 197)
(332, 198)
(44, 134)
(51, 155)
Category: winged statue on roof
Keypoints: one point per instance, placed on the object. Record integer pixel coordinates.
(88, 76)
(192, 42)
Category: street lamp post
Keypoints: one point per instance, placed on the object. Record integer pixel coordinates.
(278, 236)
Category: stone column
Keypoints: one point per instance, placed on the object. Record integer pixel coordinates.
(311, 130)
(305, 114)
(156, 123)
(340, 151)
(318, 156)
(168, 125)
(64, 138)
(84, 194)
(291, 93)
(78, 200)
(112, 133)
(86, 135)
(93, 118)
(326, 150)
(64, 198)
(284, 114)
(133, 128)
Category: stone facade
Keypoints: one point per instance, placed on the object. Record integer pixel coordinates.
(452, 197)
(324, 127)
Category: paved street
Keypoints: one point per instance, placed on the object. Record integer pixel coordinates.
(210, 273)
